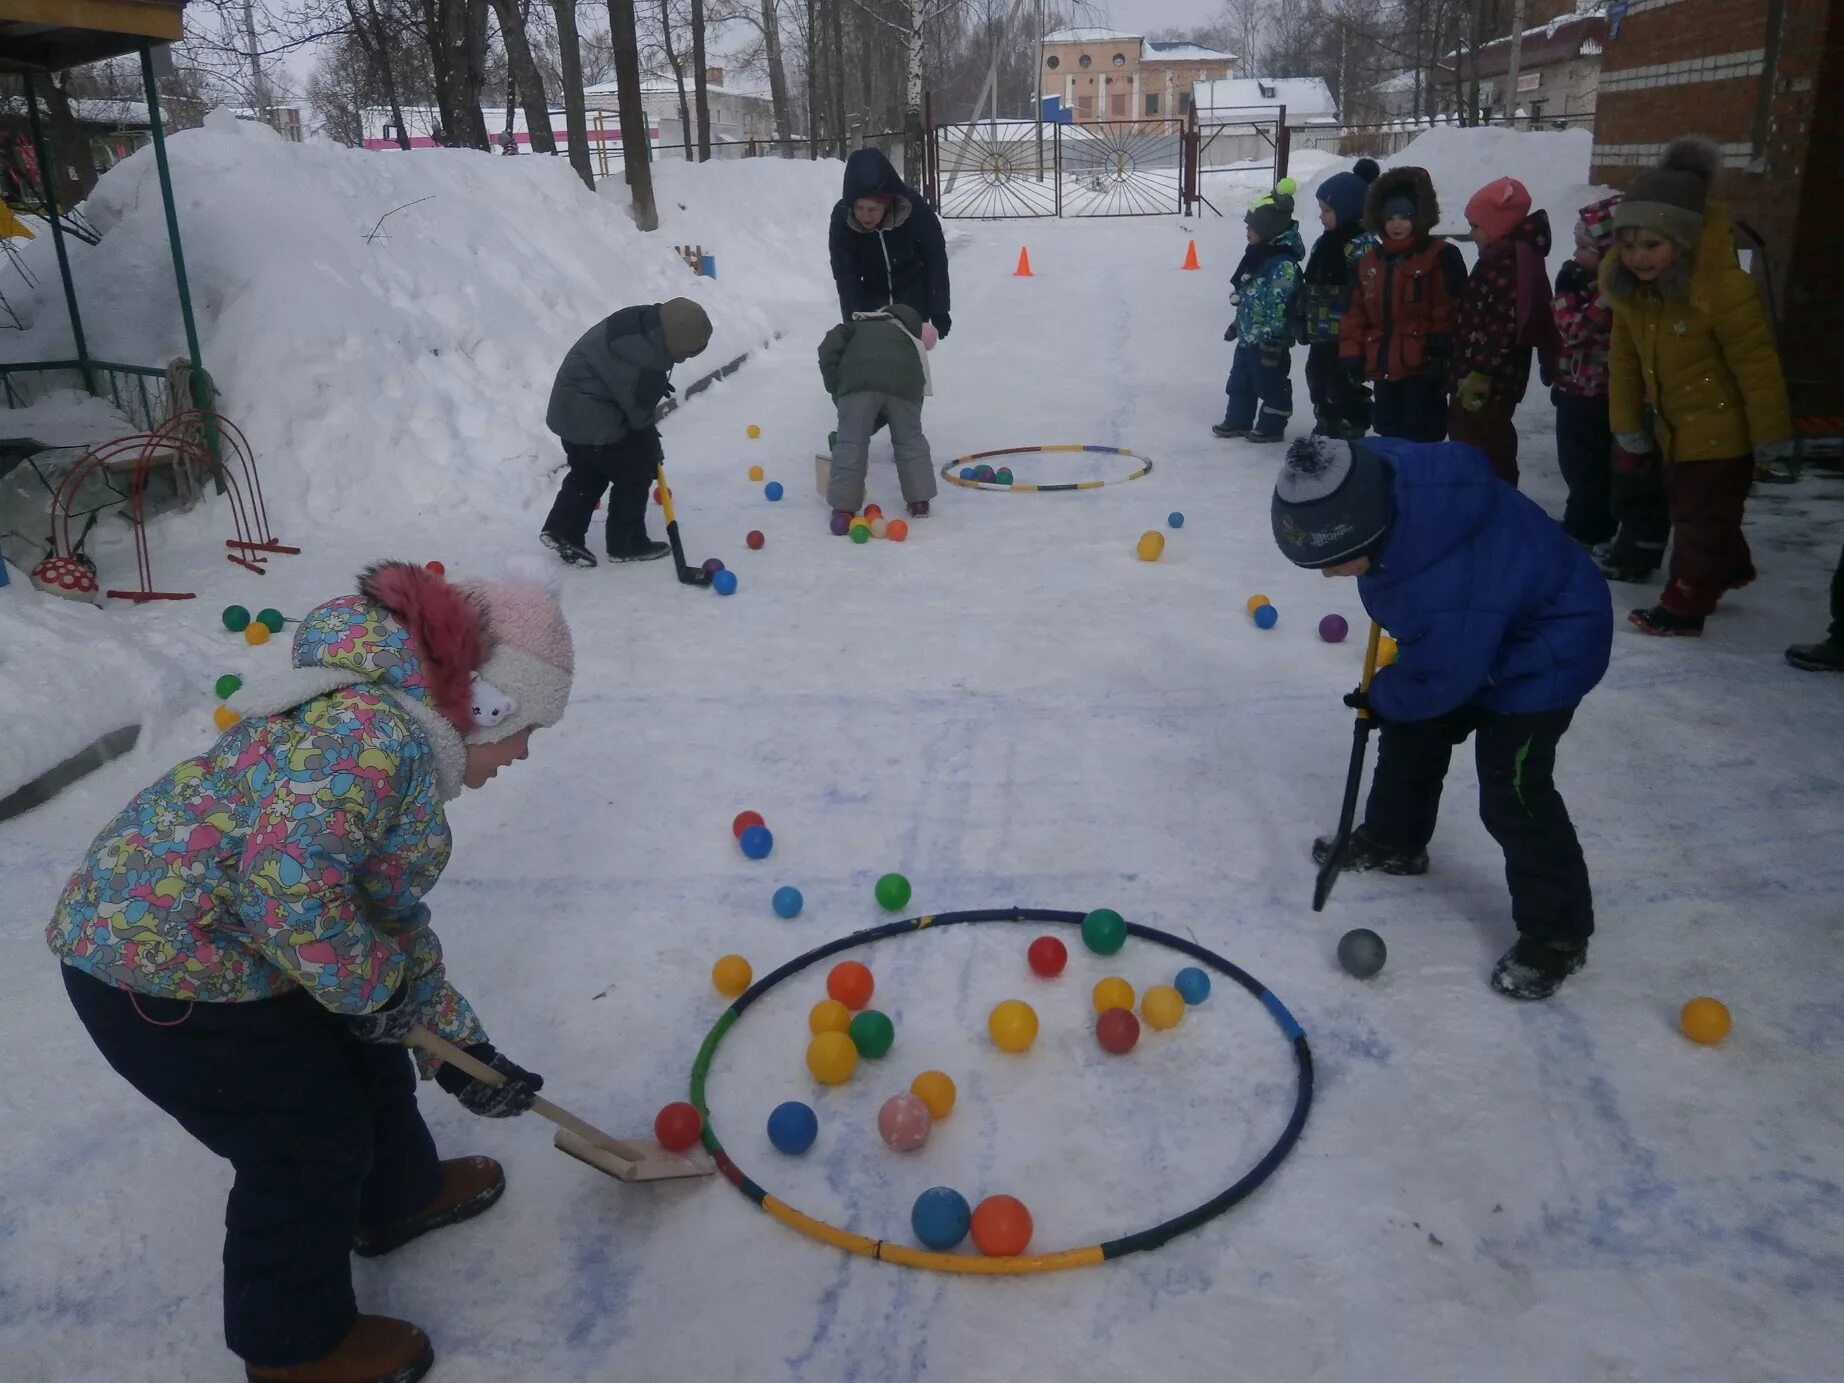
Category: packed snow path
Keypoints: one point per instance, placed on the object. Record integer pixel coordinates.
(1011, 708)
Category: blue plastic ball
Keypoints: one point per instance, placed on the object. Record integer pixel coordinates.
(788, 901)
(940, 1218)
(1192, 984)
(757, 842)
(772, 489)
(966, 473)
(792, 1127)
(724, 583)
(1266, 616)
(1175, 519)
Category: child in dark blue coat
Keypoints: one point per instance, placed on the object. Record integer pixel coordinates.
(1503, 624)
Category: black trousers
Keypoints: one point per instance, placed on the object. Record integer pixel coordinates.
(1584, 452)
(1340, 407)
(1837, 603)
(626, 470)
(1518, 802)
(1414, 409)
(322, 1130)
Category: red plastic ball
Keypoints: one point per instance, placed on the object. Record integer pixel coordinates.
(1117, 1030)
(744, 820)
(1048, 956)
(851, 984)
(1001, 1227)
(677, 1126)
(435, 567)
(755, 540)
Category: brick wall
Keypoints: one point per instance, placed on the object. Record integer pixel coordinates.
(1699, 66)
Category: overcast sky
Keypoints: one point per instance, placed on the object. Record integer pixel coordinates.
(1140, 15)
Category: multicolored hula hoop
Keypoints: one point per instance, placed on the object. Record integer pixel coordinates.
(1030, 1263)
(950, 472)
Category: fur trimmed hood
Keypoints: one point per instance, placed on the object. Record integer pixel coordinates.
(1418, 183)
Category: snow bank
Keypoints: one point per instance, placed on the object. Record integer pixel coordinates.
(1553, 164)
(67, 418)
(385, 327)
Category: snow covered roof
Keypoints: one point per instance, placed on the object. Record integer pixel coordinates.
(90, 110)
(1305, 97)
(1182, 52)
(655, 86)
(1090, 36)
(1566, 36)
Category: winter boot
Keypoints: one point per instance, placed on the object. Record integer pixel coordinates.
(575, 554)
(1626, 559)
(1666, 623)
(1265, 437)
(1536, 969)
(1228, 433)
(646, 550)
(1827, 655)
(470, 1186)
(918, 509)
(1363, 855)
(376, 1350)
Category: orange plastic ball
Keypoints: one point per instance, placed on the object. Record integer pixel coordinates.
(828, 1015)
(896, 530)
(851, 984)
(731, 975)
(1705, 1020)
(936, 1090)
(1255, 602)
(224, 717)
(256, 632)
(756, 472)
(1001, 1227)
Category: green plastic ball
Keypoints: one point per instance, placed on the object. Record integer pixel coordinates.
(227, 685)
(872, 1033)
(1003, 476)
(893, 892)
(272, 618)
(861, 533)
(1104, 931)
(236, 618)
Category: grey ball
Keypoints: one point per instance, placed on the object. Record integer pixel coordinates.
(1361, 952)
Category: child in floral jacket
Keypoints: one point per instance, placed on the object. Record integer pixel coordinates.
(1260, 386)
(248, 946)
(1584, 328)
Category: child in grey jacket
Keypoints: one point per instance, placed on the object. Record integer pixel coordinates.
(876, 369)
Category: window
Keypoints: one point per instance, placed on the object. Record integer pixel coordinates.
(1085, 62)
(1117, 107)
(1152, 103)
(1120, 59)
(1184, 103)
(1053, 62)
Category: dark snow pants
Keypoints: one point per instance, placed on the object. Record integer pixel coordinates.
(626, 470)
(1489, 428)
(322, 1130)
(1414, 409)
(1518, 802)
(1709, 555)
(1260, 395)
(1341, 406)
(1584, 453)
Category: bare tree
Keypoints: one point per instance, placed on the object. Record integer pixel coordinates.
(777, 78)
(634, 153)
(575, 117)
(525, 76)
(457, 34)
(678, 76)
(701, 81)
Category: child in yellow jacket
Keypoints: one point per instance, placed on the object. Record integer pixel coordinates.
(1691, 341)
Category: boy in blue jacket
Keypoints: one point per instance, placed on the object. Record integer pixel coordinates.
(1260, 386)
(1502, 624)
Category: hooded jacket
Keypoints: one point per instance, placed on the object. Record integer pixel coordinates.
(876, 353)
(1490, 603)
(1697, 347)
(295, 852)
(904, 260)
(1504, 311)
(1266, 282)
(612, 380)
(1584, 327)
(1325, 284)
(1401, 319)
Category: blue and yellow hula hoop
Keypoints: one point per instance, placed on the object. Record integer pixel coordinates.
(951, 474)
(908, 1256)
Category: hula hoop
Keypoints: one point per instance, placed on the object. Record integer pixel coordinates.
(910, 1257)
(950, 472)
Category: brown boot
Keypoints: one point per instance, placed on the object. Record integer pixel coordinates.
(469, 1186)
(376, 1350)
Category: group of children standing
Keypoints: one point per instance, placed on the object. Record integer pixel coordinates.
(1659, 357)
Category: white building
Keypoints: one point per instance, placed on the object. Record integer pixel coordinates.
(1308, 100)
(739, 118)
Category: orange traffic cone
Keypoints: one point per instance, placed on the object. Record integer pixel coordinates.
(1024, 264)
(1190, 256)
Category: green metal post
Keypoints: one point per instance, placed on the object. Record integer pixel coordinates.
(47, 170)
(199, 391)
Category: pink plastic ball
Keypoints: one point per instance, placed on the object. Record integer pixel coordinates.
(904, 1123)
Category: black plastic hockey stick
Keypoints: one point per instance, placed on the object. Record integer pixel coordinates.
(1360, 740)
(688, 575)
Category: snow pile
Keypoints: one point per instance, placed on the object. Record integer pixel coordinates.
(385, 327)
(1553, 164)
(67, 418)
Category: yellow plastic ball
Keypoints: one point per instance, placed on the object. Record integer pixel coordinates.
(756, 472)
(936, 1091)
(731, 975)
(828, 1015)
(1386, 651)
(753, 431)
(832, 1058)
(256, 632)
(224, 717)
(1705, 1020)
(1113, 992)
(1162, 1007)
(1152, 543)
(1255, 602)
(1012, 1025)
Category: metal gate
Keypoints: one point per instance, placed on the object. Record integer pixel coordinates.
(1010, 168)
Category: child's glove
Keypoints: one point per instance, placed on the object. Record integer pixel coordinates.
(1358, 700)
(1229, 332)
(1274, 355)
(502, 1101)
(943, 324)
(1438, 358)
(1635, 444)
(1475, 389)
(389, 1024)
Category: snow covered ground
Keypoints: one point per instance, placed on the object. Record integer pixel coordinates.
(1009, 708)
